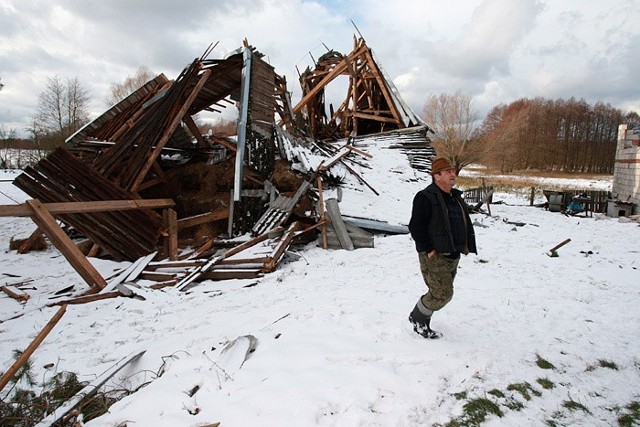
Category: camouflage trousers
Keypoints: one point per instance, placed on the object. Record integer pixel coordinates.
(438, 273)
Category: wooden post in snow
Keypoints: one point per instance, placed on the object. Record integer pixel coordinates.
(325, 244)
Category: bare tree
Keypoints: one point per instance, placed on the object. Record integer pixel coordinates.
(6, 136)
(63, 107)
(119, 91)
(499, 133)
(452, 118)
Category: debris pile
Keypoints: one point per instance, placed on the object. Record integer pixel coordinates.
(143, 184)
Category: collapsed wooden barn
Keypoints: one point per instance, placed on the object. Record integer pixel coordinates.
(213, 190)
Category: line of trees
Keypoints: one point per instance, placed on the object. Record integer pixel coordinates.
(541, 134)
(553, 135)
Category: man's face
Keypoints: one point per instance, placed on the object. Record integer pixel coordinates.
(446, 179)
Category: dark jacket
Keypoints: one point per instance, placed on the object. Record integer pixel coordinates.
(430, 226)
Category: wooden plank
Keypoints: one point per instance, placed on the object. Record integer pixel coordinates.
(231, 274)
(57, 208)
(343, 152)
(374, 117)
(185, 282)
(88, 391)
(321, 209)
(15, 293)
(144, 261)
(59, 238)
(338, 224)
(188, 120)
(175, 264)
(282, 246)
(130, 273)
(362, 153)
(208, 245)
(264, 236)
(6, 377)
(236, 261)
(157, 276)
(337, 70)
(161, 285)
(202, 219)
(88, 298)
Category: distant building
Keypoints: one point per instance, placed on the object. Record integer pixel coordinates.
(626, 174)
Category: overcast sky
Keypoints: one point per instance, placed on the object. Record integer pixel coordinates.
(495, 50)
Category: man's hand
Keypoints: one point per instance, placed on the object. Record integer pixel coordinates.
(432, 253)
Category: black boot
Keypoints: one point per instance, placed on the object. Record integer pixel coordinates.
(421, 323)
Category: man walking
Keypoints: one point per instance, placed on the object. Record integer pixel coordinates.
(441, 229)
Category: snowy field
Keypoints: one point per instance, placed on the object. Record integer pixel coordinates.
(333, 344)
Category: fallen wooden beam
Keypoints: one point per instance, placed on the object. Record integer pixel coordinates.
(203, 219)
(232, 274)
(47, 223)
(31, 348)
(57, 208)
(87, 391)
(87, 298)
(18, 296)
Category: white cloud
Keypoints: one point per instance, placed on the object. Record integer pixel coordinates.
(527, 48)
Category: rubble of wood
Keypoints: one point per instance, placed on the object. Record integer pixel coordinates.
(265, 185)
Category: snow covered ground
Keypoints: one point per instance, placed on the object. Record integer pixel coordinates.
(334, 347)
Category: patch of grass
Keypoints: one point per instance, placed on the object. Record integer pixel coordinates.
(497, 393)
(546, 383)
(524, 389)
(474, 412)
(608, 364)
(551, 423)
(632, 416)
(543, 363)
(602, 363)
(514, 404)
(477, 410)
(461, 395)
(572, 405)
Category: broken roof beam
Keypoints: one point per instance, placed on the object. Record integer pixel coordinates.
(335, 72)
(169, 131)
(374, 117)
(385, 90)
